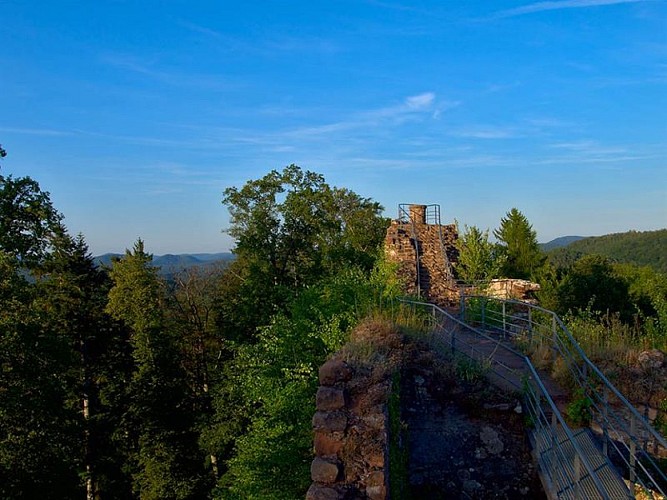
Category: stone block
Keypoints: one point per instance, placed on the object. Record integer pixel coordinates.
(333, 371)
(375, 486)
(323, 471)
(328, 399)
(318, 492)
(326, 444)
(376, 459)
(375, 421)
(331, 421)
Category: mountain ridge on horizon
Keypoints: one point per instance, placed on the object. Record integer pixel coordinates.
(173, 263)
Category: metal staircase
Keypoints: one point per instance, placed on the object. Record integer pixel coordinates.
(607, 460)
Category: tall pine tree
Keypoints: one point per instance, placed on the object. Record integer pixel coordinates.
(166, 461)
(519, 245)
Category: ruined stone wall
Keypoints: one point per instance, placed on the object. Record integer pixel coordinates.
(350, 435)
(400, 249)
(436, 282)
(351, 422)
(437, 276)
(512, 288)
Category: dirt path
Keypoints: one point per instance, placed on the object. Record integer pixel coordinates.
(465, 440)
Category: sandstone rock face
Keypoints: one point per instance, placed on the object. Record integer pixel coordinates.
(326, 444)
(512, 288)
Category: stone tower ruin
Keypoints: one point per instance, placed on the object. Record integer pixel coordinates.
(425, 251)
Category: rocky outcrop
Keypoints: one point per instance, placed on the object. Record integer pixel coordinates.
(511, 288)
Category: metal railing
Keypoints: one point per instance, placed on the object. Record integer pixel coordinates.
(627, 437)
(404, 217)
(565, 465)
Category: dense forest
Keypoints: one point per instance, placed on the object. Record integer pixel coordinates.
(641, 248)
(119, 383)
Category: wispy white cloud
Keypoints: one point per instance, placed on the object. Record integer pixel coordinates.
(413, 107)
(420, 101)
(589, 147)
(588, 151)
(147, 67)
(35, 131)
(264, 45)
(561, 4)
(486, 132)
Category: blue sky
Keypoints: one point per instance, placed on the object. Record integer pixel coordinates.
(137, 115)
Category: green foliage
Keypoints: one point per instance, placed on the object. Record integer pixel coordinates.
(518, 241)
(469, 370)
(210, 380)
(481, 310)
(40, 441)
(592, 283)
(549, 280)
(278, 377)
(292, 229)
(647, 292)
(478, 259)
(641, 248)
(578, 411)
(166, 462)
(28, 221)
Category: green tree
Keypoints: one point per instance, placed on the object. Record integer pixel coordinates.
(41, 425)
(40, 422)
(167, 463)
(519, 245)
(278, 379)
(592, 283)
(28, 221)
(193, 310)
(291, 230)
(647, 290)
(305, 255)
(478, 258)
(73, 295)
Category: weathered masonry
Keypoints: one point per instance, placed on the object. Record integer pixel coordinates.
(425, 250)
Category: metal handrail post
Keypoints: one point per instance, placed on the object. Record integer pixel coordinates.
(605, 417)
(483, 313)
(530, 327)
(633, 449)
(554, 339)
(577, 476)
(462, 308)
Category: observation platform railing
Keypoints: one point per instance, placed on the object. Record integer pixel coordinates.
(626, 436)
(573, 463)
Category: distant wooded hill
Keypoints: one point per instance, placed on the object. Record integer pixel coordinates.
(642, 248)
(170, 264)
(560, 242)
